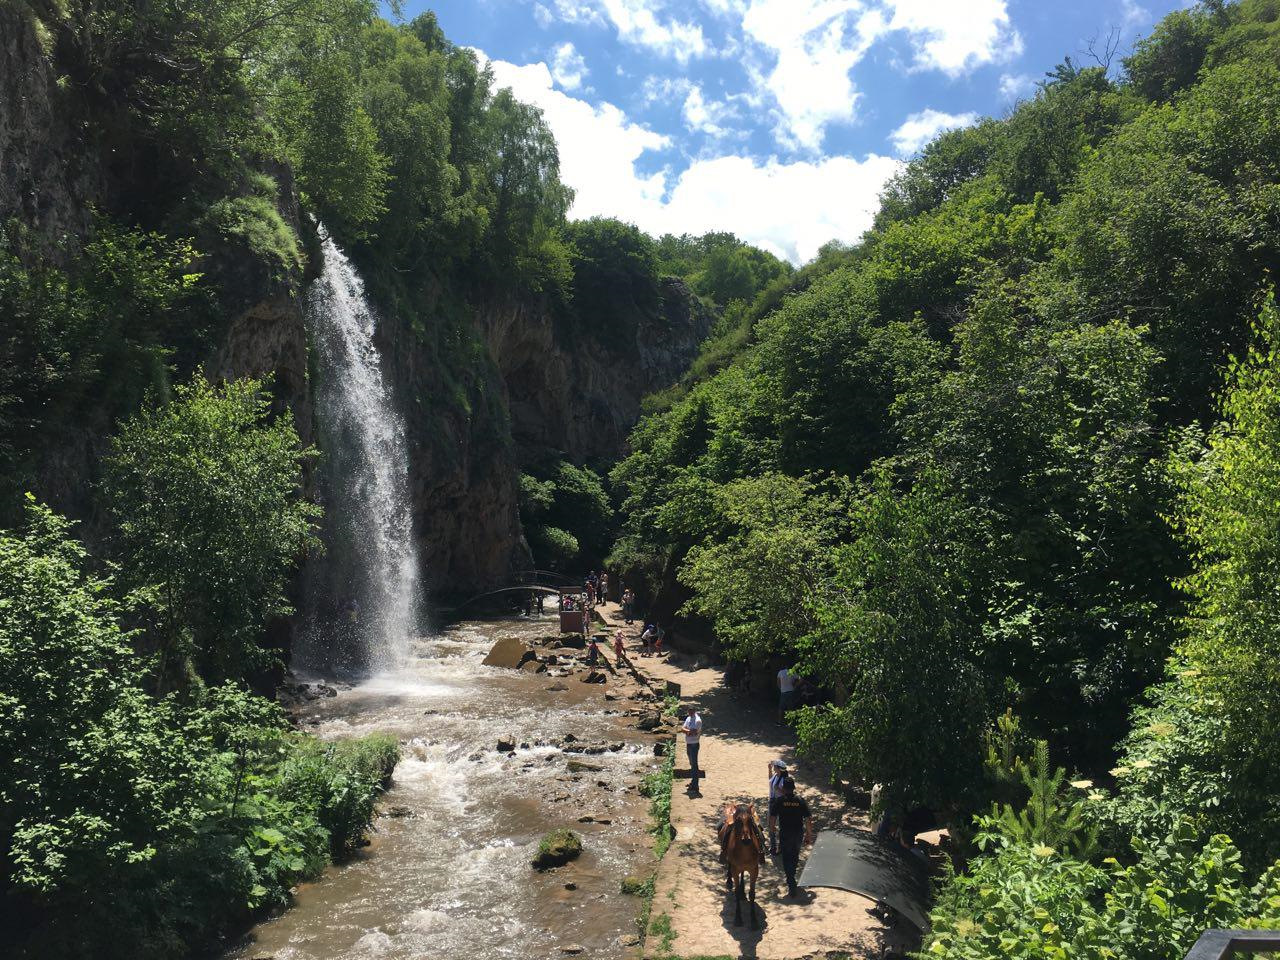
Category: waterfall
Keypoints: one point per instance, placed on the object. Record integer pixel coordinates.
(362, 594)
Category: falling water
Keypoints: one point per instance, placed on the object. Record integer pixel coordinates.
(362, 596)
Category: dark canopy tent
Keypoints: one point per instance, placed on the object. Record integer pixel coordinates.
(865, 864)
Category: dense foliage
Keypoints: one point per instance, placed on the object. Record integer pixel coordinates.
(156, 822)
(566, 515)
(206, 489)
(986, 461)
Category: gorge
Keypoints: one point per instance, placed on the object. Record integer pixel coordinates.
(306, 338)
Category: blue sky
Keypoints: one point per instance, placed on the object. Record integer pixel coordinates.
(779, 120)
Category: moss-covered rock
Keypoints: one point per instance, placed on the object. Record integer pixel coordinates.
(556, 849)
(634, 886)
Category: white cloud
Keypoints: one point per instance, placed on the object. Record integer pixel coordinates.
(954, 36)
(568, 67)
(788, 208)
(811, 47)
(570, 11)
(919, 128)
(706, 116)
(815, 44)
(1016, 86)
(1133, 15)
(641, 23)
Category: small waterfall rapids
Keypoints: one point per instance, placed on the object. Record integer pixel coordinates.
(362, 595)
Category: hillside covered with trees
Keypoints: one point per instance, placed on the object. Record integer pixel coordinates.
(1011, 457)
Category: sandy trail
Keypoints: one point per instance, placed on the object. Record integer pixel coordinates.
(739, 738)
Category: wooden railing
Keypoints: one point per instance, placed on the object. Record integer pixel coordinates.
(1221, 944)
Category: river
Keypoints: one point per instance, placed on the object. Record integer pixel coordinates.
(448, 874)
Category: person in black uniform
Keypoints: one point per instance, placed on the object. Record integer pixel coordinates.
(791, 817)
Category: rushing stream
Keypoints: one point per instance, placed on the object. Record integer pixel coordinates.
(447, 874)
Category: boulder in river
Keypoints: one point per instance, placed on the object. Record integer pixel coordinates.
(556, 849)
(595, 676)
(509, 652)
(633, 886)
(581, 766)
(506, 746)
(533, 666)
(650, 721)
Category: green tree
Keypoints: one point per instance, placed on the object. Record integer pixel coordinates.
(898, 638)
(94, 778)
(1201, 755)
(206, 494)
(754, 579)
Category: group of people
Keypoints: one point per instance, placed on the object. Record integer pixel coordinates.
(790, 821)
(596, 587)
(651, 639)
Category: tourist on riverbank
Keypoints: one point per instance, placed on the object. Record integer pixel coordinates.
(692, 728)
(628, 605)
(658, 636)
(791, 817)
(777, 777)
(604, 587)
(619, 647)
(647, 637)
(593, 652)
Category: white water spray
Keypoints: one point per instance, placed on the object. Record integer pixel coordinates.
(363, 602)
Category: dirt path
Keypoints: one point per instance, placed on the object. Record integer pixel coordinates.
(739, 739)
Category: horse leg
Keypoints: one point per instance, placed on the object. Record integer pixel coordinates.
(755, 922)
(737, 903)
(728, 875)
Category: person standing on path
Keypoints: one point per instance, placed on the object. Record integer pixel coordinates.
(692, 727)
(786, 693)
(604, 587)
(777, 776)
(650, 631)
(793, 820)
(619, 648)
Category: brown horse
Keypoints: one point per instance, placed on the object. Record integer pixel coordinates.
(744, 851)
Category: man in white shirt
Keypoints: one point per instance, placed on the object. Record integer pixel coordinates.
(786, 693)
(692, 727)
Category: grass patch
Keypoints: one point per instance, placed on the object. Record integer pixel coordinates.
(660, 927)
(657, 787)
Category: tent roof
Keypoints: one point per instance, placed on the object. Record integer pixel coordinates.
(863, 863)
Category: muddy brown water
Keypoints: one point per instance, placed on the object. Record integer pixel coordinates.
(450, 876)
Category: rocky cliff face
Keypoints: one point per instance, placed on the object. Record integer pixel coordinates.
(48, 164)
(63, 155)
(580, 396)
(537, 391)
